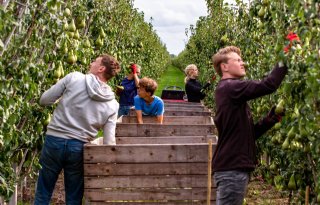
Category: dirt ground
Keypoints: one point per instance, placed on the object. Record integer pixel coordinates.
(259, 192)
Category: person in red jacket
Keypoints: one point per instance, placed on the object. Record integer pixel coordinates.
(235, 156)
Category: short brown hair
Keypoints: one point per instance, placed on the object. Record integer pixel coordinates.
(221, 57)
(109, 62)
(148, 84)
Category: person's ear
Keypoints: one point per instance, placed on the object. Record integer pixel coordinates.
(102, 68)
(223, 66)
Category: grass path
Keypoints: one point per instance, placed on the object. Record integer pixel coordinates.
(171, 77)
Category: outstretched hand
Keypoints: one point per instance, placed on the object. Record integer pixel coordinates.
(277, 117)
(291, 37)
(133, 68)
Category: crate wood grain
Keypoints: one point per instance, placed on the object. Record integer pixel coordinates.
(173, 120)
(153, 130)
(146, 153)
(182, 202)
(138, 181)
(166, 140)
(179, 113)
(181, 108)
(163, 194)
(132, 169)
(181, 103)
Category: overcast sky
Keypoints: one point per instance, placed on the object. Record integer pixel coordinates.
(170, 18)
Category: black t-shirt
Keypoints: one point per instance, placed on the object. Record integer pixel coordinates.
(194, 90)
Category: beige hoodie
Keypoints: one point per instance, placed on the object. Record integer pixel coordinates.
(85, 106)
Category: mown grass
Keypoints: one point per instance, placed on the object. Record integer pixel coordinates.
(171, 77)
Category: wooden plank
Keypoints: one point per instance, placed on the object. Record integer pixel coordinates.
(181, 103)
(179, 113)
(173, 120)
(181, 202)
(145, 153)
(153, 130)
(166, 140)
(130, 169)
(146, 194)
(138, 181)
(180, 108)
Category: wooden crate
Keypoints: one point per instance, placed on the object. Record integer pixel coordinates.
(154, 163)
(147, 174)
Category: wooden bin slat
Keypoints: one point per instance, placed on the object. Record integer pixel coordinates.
(145, 153)
(184, 105)
(131, 169)
(179, 113)
(165, 140)
(147, 194)
(182, 108)
(182, 120)
(138, 181)
(153, 130)
(153, 203)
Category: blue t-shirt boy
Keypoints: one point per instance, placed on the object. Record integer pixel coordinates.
(156, 108)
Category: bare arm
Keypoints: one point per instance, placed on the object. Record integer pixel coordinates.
(160, 119)
(139, 116)
(136, 79)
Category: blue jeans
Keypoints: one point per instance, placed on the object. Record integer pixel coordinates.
(57, 154)
(231, 187)
(124, 110)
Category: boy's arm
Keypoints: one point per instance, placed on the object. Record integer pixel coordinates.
(139, 116)
(160, 119)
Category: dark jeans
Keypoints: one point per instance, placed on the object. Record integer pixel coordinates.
(57, 154)
(231, 187)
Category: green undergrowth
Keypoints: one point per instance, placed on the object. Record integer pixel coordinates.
(171, 77)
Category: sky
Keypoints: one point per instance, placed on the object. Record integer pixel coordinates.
(170, 18)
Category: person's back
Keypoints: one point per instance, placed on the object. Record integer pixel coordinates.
(85, 105)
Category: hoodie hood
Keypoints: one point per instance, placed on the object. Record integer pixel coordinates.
(98, 90)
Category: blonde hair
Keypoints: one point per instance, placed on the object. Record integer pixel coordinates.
(148, 84)
(222, 57)
(189, 71)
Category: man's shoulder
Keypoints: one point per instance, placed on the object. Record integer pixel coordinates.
(231, 83)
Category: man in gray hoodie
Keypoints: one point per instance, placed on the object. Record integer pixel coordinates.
(85, 105)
